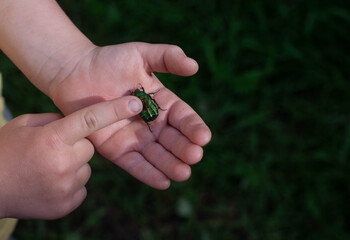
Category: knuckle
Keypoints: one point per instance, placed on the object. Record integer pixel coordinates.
(64, 189)
(87, 171)
(56, 204)
(67, 205)
(117, 113)
(89, 120)
(60, 201)
(60, 209)
(175, 48)
(53, 141)
(60, 168)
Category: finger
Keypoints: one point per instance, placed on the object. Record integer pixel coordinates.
(180, 146)
(35, 120)
(83, 175)
(135, 164)
(166, 162)
(78, 199)
(168, 59)
(127, 157)
(84, 122)
(84, 151)
(70, 204)
(125, 140)
(188, 122)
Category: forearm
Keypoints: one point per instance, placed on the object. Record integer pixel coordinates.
(40, 39)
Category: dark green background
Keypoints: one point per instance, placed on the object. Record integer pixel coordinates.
(274, 88)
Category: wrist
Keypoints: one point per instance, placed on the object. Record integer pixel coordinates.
(39, 39)
(61, 64)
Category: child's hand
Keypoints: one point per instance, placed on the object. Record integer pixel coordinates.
(178, 133)
(44, 158)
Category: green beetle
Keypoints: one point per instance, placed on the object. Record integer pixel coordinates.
(150, 107)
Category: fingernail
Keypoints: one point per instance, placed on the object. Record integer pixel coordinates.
(135, 105)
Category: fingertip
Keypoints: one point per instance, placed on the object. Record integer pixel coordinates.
(135, 105)
(158, 181)
(182, 172)
(194, 154)
(201, 135)
(179, 63)
(163, 185)
(187, 67)
(192, 66)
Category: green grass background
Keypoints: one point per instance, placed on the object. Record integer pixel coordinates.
(274, 88)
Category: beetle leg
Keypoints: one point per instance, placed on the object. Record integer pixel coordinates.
(155, 103)
(153, 93)
(142, 88)
(161, 108)
(149, 126)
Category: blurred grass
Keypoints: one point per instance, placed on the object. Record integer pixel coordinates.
(273, 86)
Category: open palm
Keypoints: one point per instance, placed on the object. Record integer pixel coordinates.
(178, 133)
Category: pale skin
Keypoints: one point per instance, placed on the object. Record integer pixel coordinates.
(44, 158)
(58, 59)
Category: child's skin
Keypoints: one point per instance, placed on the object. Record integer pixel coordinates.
(44, 158)
(57, 58)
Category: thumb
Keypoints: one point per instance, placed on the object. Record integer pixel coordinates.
(84, 122)
(167, 59)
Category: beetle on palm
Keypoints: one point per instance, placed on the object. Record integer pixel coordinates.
(150, 107)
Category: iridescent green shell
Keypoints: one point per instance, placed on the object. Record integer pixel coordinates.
(150, 107)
